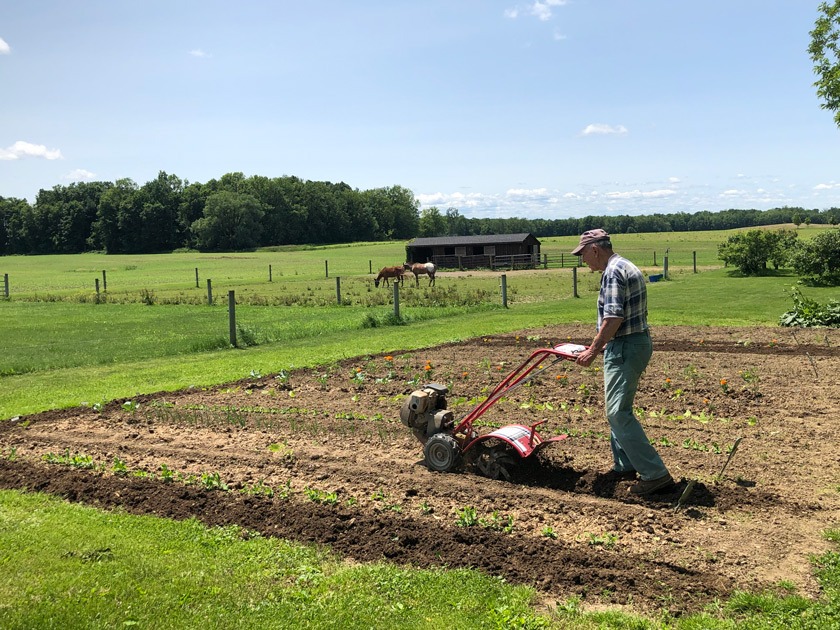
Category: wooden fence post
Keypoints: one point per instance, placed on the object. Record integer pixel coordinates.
(6, 284)
(370, 266)
(665, 268)
(338, 289)
(269, 273)
(209, 292)
(504, 291)
(694, 254)
(574, 282)
(654, 259)
(196, 277)
(97, 285)
(104, 282)
(232, 317)
(327, 268)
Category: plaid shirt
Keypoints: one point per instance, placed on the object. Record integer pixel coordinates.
(623, 294)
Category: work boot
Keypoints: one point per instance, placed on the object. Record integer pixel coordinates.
(652, 485)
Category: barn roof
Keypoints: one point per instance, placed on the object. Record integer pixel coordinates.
(482, 239)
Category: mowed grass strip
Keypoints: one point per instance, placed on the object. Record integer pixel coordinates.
(70, 566)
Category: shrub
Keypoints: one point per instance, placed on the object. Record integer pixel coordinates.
(818, 261)
(807, 312)
(750, 251)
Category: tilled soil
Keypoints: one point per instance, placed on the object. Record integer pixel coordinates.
(321, 456)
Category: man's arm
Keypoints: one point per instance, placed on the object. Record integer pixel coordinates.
(609, 326)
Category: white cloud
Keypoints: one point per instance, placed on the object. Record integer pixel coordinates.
(5, 49)
(826, 186)
(732, 192)
(602, 129)
(26, 149)
(638, 194)
(532, 193)
(541, 9)
(197, 52)
(79, 174)
(674, 180)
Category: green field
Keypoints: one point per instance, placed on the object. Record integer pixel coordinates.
(63, 347)
(155, 330)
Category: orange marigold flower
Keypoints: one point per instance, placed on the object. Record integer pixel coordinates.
(427, 367)
(723, 381)
(389, 358)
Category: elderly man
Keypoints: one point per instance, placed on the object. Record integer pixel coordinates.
(624, 337)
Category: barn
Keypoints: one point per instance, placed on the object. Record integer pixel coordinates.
(511, 251)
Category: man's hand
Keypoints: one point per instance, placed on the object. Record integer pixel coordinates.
(586, 357)
(609, 326)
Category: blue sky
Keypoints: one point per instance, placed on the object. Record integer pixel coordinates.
(549, 109)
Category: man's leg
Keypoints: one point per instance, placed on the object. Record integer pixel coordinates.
(624, 362)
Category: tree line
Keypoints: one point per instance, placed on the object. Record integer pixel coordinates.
(236, 212)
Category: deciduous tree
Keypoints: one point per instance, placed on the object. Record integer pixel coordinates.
(825, 53)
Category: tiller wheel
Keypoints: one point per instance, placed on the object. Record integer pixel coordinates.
(495, 462)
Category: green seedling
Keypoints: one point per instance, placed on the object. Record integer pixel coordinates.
(467, 517)
(498, 522)
(167, 475)
(607, 540)
(212, 481)
(321, 496)
(77, 460)
(119, 467)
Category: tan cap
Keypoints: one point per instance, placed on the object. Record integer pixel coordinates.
(589, 237)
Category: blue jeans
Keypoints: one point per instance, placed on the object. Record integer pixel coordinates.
(625, 358)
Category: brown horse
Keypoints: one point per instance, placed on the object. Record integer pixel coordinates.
(389, 272)
(422, 269)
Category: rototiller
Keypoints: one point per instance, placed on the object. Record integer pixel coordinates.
(446, 445)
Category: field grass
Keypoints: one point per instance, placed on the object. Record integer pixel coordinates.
(71, 566)
(50, 278)
(64, 353)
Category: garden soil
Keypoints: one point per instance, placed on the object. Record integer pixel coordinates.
(320, 456)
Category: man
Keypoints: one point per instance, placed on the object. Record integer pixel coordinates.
(624, 337)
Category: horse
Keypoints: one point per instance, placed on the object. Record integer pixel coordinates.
(389, 272)
(422, 269)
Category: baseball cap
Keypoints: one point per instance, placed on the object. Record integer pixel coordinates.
(587, 237)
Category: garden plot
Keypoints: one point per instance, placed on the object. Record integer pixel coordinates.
(321, 456)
